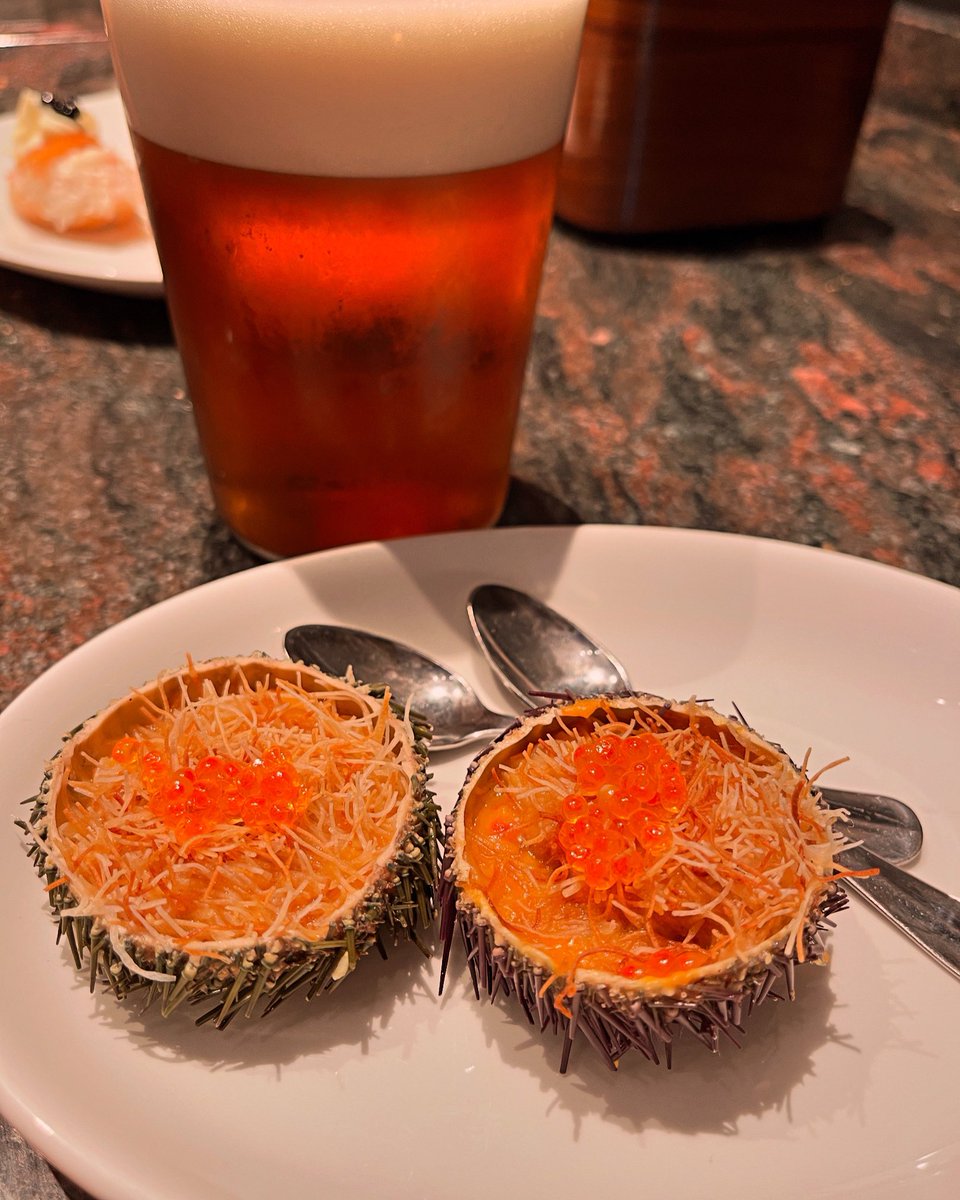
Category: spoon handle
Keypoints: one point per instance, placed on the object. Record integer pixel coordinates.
(924, 913)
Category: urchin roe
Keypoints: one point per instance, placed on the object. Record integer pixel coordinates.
(643, 851)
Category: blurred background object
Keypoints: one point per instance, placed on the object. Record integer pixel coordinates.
(52, 44)
(691, 114)
(50, 22)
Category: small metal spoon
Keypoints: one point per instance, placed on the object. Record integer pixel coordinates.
(446, 700)
(532, 648)
(519, 635)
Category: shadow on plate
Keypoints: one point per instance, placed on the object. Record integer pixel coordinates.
(703, 1092)
(430, 580)
(359, 1013)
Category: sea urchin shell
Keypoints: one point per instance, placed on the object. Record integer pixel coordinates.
(235, 832)
(630, 868)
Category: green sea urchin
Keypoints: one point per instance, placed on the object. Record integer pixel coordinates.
(237, 831)
(630, 868)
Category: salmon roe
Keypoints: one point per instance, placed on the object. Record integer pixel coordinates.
(217, 790)
(629, 790)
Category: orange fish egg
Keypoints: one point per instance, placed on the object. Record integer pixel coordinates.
(637, 787)
(217, 790)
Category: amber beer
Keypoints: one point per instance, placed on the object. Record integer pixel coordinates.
(351, 205)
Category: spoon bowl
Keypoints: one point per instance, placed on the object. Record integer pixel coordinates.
(535, 651)
(441, 696)
(887, 827)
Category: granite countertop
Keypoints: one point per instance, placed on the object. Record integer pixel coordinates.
(799, 384)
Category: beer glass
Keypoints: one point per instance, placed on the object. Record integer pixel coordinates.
(351, 201)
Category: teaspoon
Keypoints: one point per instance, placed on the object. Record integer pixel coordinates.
(534, 649)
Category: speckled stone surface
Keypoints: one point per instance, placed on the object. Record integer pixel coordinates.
(799, 384)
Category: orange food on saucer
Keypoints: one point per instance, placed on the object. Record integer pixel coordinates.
(63, 179)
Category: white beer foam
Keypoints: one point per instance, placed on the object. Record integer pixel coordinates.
(348, 87)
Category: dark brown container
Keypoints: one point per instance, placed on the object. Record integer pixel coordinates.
(704, 113)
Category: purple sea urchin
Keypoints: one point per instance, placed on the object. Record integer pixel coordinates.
(235, 832)
(630, 868)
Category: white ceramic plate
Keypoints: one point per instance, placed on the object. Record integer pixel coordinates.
(384, 1090)
(89, 260)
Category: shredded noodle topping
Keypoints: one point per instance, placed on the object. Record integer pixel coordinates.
(643, 850)
(236, 815)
